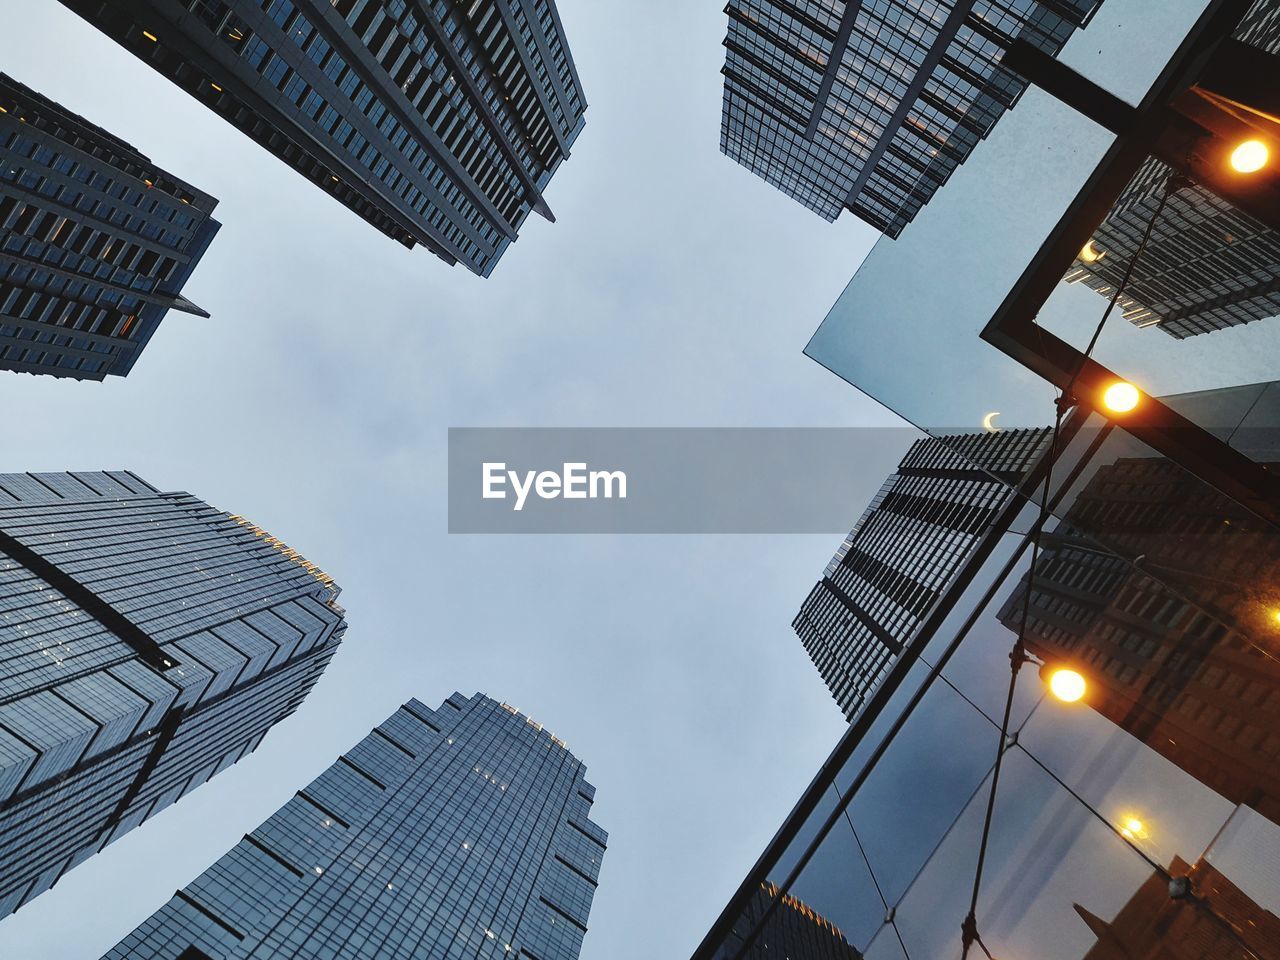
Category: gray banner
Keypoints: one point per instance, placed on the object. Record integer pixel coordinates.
(666, 480)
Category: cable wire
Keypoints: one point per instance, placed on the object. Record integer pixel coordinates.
(1018, 655)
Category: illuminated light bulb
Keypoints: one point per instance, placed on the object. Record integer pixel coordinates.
(1121, 397)
(1091, 254)
(1250, 156)
(1067, 685)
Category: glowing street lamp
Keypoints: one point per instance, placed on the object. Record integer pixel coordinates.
(1250, 156)
(1121, 397)
(1066, 684)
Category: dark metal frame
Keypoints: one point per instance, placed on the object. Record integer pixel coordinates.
(1179, 122)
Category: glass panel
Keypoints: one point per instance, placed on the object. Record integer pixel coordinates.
(789, 922)
(1153, 803)
(920, 786)
(837, 887)
(880, 726)
(886, 946)
(805, 835)
(1194, 682)
(1049, 863)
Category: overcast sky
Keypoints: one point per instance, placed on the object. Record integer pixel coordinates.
(675, 289)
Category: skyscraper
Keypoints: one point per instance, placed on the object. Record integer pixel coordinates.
(462, 831)
(438, 123)
(904, 550)
(147, 642)
(96, 242)
(870, 106)
(1207, 264)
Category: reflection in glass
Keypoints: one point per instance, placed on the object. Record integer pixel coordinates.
(1198, 915)
(1146, 798)
(886, 945)
(1207, 265)
(1046, 853)
(838, 885)
(792, 930)
(913, 795)
(1188, 680)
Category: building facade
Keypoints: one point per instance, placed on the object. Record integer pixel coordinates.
(1207, 264)
(905, 549)
(985, 803)
(149, 642)
(438, 123)
(462, 831)
(869, 107)
(96, 242)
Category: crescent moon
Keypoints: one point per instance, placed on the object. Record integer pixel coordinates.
(989, 422)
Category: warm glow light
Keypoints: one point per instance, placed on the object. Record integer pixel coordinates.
(1121, 397)
(1067, 685)
(1250, 157)
(149, 36)
(1091, 254)
(1131, 828)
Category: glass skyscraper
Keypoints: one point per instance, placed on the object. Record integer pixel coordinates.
(870, 106)
(96, 242)
(439, 123)
(1076, 756)
(462, 831)
(904, 551)
(147, 642)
